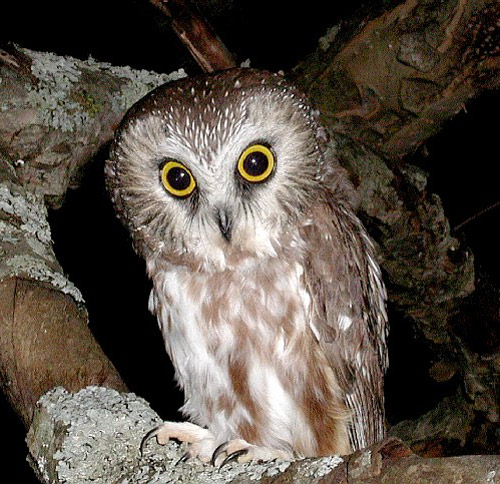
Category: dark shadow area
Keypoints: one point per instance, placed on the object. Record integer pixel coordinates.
(410, 391)
(464, 163)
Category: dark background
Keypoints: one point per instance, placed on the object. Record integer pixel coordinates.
(95, 250)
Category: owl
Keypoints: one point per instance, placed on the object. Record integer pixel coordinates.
(265, 284)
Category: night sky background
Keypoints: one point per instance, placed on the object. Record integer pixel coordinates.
(95, 251)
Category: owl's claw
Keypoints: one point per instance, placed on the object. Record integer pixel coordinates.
(241, 451)
(230, 456)
(233, 456)
(187, 456)
(150, 435)
(202, 443)
(200, 439)
(218, 451)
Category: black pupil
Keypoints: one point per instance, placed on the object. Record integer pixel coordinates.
(255, 163)
(178, 178)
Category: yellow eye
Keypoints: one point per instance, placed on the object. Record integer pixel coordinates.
(256, 163)
(177, 179)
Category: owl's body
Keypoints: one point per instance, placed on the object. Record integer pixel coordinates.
(265, 284)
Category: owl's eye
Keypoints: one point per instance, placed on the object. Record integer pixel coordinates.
(256, 163)
(177, 179)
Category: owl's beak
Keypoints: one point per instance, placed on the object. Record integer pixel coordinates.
(225, 223)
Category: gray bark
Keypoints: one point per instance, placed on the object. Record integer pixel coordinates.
(56, 113)
(95, 434)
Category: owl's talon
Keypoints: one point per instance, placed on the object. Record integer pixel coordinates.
(218, 451)
(150, 435)
(186, 456)
(233, 456)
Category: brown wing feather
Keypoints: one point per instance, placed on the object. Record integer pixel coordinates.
(348, 313)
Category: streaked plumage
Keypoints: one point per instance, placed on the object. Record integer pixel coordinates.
(265, 283)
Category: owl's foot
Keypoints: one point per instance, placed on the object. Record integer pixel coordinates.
(203, 444)
(201, 440)
(241, 451)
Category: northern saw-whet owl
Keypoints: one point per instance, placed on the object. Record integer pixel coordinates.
(265, 284)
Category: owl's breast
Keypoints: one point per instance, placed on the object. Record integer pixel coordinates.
(240, 341)
(206, 317)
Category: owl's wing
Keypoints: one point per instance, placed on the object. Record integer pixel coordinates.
(348, 314)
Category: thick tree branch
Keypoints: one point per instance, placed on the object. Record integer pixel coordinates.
(392, 81)
(107, 423)
(44, 338)
(56, 113)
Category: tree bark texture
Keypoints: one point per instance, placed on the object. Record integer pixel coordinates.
(107, 423)
(56, 113)
(391, 82)
(44, 338)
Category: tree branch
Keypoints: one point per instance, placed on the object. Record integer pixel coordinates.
(44, 338)
(197, 35)
(56, 113)
(398, 77)
(72, 432)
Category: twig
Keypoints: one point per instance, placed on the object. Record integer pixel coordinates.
(196, 33)
(476, 215)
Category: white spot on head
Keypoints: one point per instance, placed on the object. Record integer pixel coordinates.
(314, 330)
(344, 322)
(359, 359)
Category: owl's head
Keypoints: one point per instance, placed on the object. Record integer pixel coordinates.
(217, 168)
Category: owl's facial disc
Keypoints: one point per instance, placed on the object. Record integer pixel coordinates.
(254, 166)
(217, 172)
